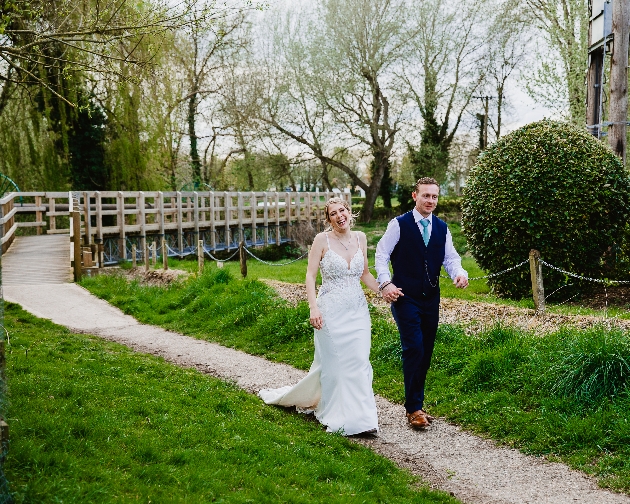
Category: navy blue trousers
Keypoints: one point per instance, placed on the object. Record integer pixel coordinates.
(417, 322)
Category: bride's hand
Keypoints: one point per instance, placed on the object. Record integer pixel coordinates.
(316, 319)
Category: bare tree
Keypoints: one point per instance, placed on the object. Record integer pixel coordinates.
(443, 71)
(348, 49)
(289, 100)
(204, 46)
(508, 45)
(559, 79)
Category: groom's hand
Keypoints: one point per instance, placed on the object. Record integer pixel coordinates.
(391, 293)
(461, 282)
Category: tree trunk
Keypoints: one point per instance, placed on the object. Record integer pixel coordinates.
(325, 180)
(195, 162)
(618, 108)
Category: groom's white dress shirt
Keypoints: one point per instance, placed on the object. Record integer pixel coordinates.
(452, 262)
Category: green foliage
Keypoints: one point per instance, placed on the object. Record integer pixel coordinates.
(93, 421)
(430, 159)
(86, 148)
(448, 206)
(551, 187)
(593, 366)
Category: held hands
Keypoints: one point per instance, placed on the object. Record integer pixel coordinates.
(316, 319)
(461, 282)
(391, 293)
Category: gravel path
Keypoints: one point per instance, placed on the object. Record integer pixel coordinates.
(471, 468)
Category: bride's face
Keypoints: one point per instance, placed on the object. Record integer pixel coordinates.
(339, 217)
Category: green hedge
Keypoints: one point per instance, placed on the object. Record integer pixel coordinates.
(552, 187)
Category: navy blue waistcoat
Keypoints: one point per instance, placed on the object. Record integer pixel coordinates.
(416, 265)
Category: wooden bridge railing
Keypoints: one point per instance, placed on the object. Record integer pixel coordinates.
(220, 219)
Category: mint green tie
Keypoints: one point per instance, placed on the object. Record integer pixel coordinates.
(425, 231)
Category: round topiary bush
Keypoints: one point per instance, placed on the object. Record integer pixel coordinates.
(548, 186)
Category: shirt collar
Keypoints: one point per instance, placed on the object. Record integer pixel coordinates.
(418, 216)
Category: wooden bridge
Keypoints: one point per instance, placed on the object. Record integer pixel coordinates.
(111, 223)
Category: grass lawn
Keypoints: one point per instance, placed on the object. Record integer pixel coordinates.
(92, 421)
(565, 395)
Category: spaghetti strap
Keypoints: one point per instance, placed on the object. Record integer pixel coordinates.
(358, 242)
(327, 240)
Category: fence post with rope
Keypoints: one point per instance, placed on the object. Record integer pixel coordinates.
(243, 258)
(538, 289)
(164, 254)
(200, 258)
(146, 255)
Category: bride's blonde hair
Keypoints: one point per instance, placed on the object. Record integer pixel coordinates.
(339, 201)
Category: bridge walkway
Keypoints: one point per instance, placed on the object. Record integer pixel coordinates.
(37, 260)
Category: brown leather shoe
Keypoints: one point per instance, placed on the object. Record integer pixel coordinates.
(429, 417)
(418, 419)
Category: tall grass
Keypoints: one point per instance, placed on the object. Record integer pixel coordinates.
(92, 421)
(593, 366)
(564, 395)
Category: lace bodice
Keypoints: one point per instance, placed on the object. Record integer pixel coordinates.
(339, 278)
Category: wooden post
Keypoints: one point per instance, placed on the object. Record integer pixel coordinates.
(180, 223)
(141, 213)
(164, 254)
(87, 220)
(146, 255)
(278, 218)
(154, 250)
(243, 258)
(196, 213)
(122, 240)
(38, 213)
(133, 255)
(76, 240)
(99, 218)
(618, 108)
(538, 291)
(99, 250)
(266, 218)
(213, 234)
(200, 255)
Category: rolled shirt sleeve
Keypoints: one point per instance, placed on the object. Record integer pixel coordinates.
(452, 262)
(384, 250)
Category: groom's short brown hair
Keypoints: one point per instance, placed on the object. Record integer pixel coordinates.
(425, 181)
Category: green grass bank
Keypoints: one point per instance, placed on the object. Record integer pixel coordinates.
(563, 395)
(92, 421)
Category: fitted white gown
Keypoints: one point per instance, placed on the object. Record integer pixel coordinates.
(338, 387)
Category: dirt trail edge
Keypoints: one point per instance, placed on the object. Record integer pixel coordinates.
(475, 470)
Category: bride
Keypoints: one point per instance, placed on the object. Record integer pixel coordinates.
(338, 387)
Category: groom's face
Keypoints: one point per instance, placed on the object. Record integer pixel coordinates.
(426, 198)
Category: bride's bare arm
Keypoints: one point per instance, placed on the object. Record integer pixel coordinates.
(314, 257)
(367, 278)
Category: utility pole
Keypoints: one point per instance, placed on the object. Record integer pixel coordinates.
(618, 108)
(483, 118)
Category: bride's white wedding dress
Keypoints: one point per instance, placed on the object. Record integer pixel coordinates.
(338, 387)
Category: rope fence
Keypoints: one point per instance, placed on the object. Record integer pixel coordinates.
(535, 262)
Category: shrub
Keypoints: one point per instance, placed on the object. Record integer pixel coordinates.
(548, 186)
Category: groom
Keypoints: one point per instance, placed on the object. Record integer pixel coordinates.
(418, 244)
